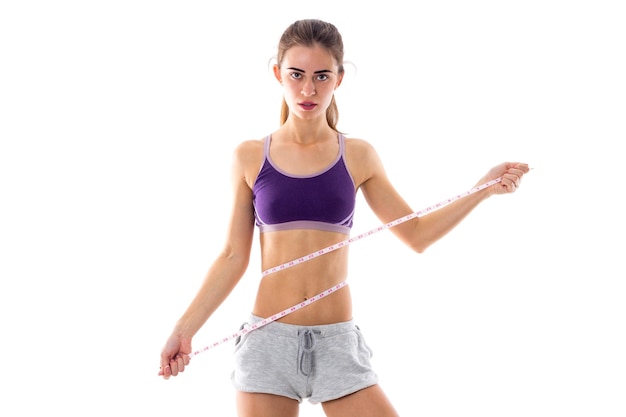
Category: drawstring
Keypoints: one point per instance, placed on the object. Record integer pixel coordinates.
(306, 346)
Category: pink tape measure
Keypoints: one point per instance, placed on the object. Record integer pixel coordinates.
(332, 248)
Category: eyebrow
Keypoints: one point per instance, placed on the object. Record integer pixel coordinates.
(315, 72)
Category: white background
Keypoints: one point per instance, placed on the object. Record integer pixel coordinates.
(117, 123)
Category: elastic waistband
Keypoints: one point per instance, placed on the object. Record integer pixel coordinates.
(293, 330)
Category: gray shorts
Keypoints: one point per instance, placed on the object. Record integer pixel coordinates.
(321, 363)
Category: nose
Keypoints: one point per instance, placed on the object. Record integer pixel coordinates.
(308, 89)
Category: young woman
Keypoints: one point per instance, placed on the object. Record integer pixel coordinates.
(298, 185)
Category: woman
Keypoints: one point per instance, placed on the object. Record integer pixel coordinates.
(298, 185)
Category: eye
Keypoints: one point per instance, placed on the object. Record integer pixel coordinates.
(295, 75)
(322, 77)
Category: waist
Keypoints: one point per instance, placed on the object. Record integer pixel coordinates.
(294, 330)
(293, 285)
(284, 293)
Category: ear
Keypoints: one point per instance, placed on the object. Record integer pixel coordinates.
(339, 80)
(276, 69)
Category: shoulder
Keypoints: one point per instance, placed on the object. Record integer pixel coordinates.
(360, 150)
(249, 148)
(362, 160)
(248, 151)
(247, 159)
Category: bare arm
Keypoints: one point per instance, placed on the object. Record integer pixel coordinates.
(422, 232)
(222, 277)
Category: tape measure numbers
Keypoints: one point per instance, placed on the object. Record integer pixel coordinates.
(329, 249)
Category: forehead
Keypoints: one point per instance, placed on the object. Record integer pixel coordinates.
(309, 58)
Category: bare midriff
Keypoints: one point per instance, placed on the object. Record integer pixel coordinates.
(281, 290)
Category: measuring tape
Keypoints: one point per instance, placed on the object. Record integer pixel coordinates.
(332, 248)
(268, 320)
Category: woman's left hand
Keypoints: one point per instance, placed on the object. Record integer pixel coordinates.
(511, 173)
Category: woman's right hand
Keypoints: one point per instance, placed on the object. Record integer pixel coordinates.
(174, 356)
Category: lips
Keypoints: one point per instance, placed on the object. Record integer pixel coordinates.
(307, 105)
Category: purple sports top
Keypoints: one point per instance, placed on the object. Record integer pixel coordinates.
(322, 201)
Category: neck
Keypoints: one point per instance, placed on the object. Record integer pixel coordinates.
(306, 131)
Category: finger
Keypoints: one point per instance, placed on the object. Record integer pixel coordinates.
(181, 363)
(516, 172)
(174, 367)
(511, 182)
(164, 365)
(165, 372)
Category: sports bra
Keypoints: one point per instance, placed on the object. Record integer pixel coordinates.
(321, 201)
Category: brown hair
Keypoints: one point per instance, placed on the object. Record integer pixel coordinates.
(311, 32)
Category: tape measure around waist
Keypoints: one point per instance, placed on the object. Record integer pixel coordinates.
(332, 248)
